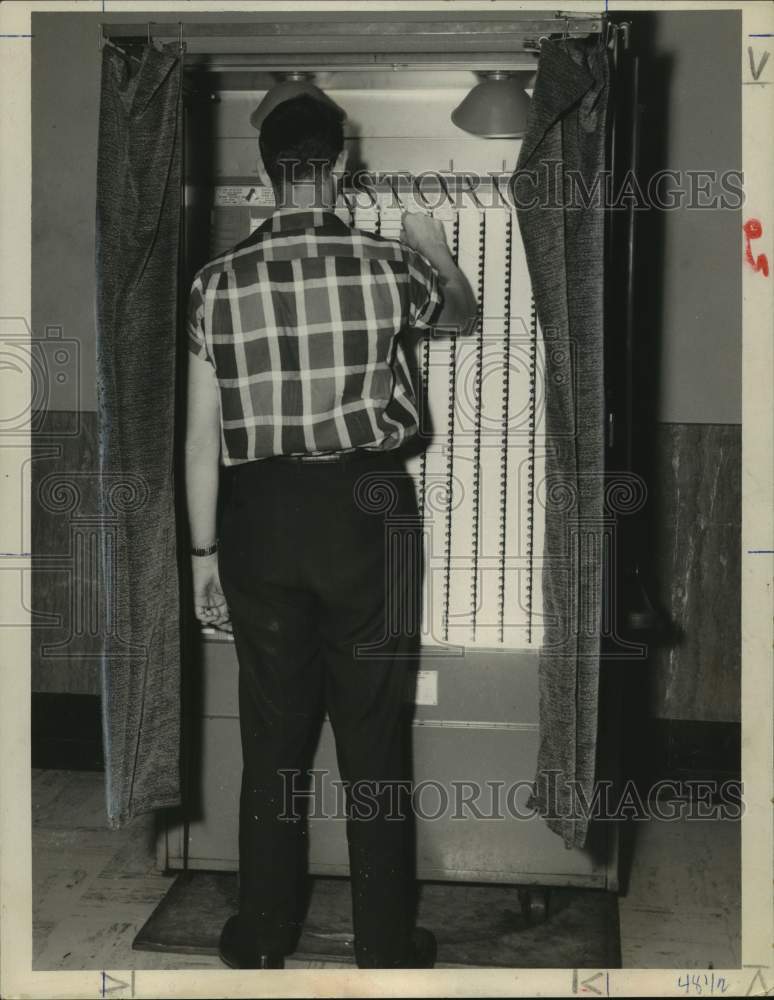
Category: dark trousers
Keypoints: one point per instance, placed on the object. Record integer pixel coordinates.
(319, 563)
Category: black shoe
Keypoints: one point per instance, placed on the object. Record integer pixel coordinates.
(239, 951)
(424, 949)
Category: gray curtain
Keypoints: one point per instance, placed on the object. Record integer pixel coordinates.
(138, 219)
(561, 217)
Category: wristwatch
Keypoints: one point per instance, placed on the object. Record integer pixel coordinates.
(208, 551)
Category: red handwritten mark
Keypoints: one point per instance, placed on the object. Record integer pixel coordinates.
(753, 230)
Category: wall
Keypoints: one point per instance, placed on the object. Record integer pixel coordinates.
(65, 102)
(688, 309)
(65, 107)
(691, 93)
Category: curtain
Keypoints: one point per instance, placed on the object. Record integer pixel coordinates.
(558, 190)
(138, 218)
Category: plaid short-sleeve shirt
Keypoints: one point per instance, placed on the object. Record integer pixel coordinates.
(301, 322)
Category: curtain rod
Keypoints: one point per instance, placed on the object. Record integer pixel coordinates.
(329, 25)
(528, 28)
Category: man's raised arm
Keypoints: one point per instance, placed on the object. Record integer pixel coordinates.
(428, 237)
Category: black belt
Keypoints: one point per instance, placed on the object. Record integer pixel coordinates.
(350, 455)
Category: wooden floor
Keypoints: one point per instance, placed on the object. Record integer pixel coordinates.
(93, 888)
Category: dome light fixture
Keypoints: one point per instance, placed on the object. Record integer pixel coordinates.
(496, 108)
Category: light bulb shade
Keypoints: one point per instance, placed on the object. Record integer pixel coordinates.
(496, 108)
(286, 91)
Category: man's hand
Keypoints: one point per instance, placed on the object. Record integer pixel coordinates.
(423, 233)
(209, 601)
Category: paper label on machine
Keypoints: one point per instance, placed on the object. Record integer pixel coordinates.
(426, 691)
(227, 195)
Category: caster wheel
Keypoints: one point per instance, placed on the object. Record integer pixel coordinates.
(534, 905)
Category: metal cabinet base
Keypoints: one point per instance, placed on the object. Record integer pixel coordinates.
(475, 739)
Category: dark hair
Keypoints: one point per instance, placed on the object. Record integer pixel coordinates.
(299, 137)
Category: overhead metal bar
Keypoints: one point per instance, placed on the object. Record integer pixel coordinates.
(245, 64)
(373, 34)
(332, 24)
